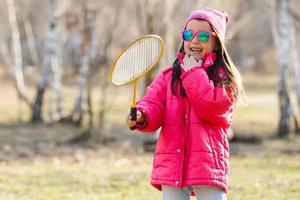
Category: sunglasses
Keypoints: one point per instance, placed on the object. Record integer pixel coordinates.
(202, 36)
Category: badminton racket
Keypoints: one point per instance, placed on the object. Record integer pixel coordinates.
(136, 60)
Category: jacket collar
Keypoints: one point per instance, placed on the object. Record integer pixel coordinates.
(208, 59)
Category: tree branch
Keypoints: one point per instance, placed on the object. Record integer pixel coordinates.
(294, 15)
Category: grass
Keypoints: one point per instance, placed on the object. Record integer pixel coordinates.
(82, 174)
(36, 164)
(124, 174)
(264, 177)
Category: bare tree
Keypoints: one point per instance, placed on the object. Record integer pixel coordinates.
(157, 17)
(17, 54)
(295, 67)
(282, 35)
(87, 48)
(52, 67)
(30, 39)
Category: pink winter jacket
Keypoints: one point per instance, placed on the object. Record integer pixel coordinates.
(192, 148)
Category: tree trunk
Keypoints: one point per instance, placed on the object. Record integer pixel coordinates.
(56, 67)
(90, 106)
(86, 50)
(36, 115)
(30, 40)
(78, 110)
(281, 37)
(7, 63)
(17, 54)
(103, 98)
(296, 67)
(51, 66)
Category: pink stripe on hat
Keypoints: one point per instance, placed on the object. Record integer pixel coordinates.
(218, 19)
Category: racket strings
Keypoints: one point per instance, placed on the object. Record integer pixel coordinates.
(135, 61)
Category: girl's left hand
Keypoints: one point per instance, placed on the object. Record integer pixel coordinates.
(140, 120)
(190, 62)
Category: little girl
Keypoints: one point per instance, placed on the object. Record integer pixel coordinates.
(192, 102)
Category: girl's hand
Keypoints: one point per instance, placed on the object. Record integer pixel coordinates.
(140, 120)
(190, 62)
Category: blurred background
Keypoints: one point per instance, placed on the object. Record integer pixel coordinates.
(62, 124)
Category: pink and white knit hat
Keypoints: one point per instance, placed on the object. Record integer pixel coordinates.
(218, 19)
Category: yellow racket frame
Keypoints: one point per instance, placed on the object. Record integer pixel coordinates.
(145, 72)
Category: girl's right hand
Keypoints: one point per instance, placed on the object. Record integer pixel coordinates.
(140, 120)
(189, 62)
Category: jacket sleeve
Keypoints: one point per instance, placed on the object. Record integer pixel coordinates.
(153, 104)
(212, 104)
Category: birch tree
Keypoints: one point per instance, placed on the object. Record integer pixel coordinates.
(17, 54)
(30, 40)
(282, 35)
(295, 67)
(51, 66)
(87, 49)
(157, 17)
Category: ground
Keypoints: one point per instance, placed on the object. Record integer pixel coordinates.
(37, 162)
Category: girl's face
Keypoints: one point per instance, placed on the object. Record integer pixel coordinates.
(196, 47)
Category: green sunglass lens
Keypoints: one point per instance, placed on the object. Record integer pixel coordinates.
(203, 36)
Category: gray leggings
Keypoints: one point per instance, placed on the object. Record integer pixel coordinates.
(201, 192)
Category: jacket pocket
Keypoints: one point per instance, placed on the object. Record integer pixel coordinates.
(166, 166)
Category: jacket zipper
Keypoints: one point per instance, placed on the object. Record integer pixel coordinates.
(186, 129)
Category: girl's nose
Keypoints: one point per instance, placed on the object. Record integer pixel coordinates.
(195, 40)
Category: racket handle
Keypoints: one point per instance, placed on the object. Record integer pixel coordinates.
(133, 116)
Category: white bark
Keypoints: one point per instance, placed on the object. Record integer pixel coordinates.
(87, 50)
(7, 63)
(56, 66)
(56, 84)
(51, 68)
(30, 40)
(295, 61)
(170, 37)
(281, 37)
(17, 53)
(7, 58)
(83, 76)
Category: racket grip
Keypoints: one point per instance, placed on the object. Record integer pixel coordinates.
(133, 116)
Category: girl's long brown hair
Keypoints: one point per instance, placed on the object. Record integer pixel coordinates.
(233, 75)
(223, 59)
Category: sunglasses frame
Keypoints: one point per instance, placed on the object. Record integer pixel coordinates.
(211, 33)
